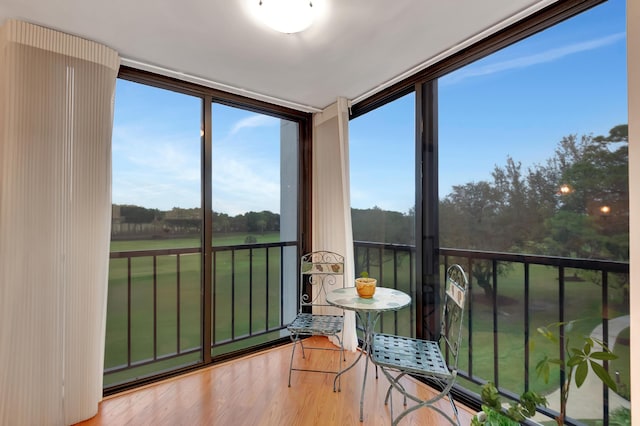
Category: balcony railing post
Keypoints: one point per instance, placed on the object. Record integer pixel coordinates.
(155, 307)
(605, 339)
(494, 301)
(561, 330)
(128, 312)
(527, 313)
(178, 310)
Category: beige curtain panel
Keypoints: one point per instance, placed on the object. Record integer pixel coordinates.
(56, 118)
(331, 213)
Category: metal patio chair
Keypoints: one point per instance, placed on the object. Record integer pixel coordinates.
(398, 356)
(320, 272)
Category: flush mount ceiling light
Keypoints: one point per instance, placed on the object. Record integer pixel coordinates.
(286, 16)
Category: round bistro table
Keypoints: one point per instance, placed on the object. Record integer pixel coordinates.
(368, 311)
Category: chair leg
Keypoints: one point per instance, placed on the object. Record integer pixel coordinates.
(302, 346)
(399, 386)
(454, 408)
(430, 403)
(293, 351)
(391, 386)
(389, 399)
(341, 356)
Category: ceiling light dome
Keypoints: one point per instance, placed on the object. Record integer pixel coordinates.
(287, 16)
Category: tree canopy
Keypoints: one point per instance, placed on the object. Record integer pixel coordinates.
(574, 205)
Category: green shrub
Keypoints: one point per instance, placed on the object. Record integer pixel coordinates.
(516, 413)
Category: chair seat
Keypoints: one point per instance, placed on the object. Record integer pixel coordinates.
(413, 356)
(398, 356)
(316, 324)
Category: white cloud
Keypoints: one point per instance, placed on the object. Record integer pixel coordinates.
(157, 168)
(534, 59)
(250, 185)
(130, 188)
(257, 120)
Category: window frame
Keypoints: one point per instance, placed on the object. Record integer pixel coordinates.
(208, 96)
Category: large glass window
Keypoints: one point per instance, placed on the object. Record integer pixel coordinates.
(167, 307)
(255, 209)
(154, 304)
(533, 160)
(382, 176)
(532, 144)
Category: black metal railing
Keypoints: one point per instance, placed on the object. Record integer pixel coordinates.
(122, 296)
(154, 318)
(500, 270)
(153, 291)
(248, 278)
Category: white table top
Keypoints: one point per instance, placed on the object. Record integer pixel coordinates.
(384, 299)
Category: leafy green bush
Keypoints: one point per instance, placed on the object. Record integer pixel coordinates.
(515, 413)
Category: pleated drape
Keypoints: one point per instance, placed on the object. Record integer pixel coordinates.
(331, 214)
(56, 118)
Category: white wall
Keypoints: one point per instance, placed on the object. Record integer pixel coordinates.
(633, 64)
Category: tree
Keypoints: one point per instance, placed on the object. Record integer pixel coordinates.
(380, 225)
(524, 211)
(221, 222)
(137, 214)
(184, 220)
(470, 218)
(597, 206)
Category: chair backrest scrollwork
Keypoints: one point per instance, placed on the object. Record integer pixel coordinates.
(453, 307)
(320, 271)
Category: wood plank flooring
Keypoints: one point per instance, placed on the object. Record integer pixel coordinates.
(253, 391)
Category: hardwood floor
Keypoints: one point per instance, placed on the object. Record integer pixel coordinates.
(253, 391)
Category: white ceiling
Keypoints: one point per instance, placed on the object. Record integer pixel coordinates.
(354, 48)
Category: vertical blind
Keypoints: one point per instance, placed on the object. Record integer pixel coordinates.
(56, 117)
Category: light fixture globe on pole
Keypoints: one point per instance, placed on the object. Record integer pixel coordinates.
(286, 16)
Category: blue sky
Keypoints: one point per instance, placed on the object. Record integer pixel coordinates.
(156, 153)
(519, 102)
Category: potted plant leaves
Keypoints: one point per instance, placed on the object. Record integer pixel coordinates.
(578, 361)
